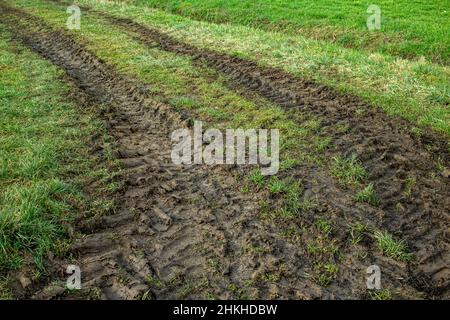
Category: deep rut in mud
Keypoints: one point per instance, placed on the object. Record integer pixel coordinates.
(180, 231)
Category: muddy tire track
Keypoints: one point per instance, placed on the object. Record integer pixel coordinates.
(390, 153)
(178, 232)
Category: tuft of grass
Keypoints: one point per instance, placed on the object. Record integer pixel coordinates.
(416, 132)
(256, 177)
(321, 144)
(245, 188)
(238, 292)
(289, 202)
(192, 286)
(392, 248)
(357, 232)
(288, 164)
(5, 292)
(323, 251)
(292, 201)
(324, 226)
(348, 171)
(292, 234)
(409, 186)
(326, 272)
(276, 185)
(384, 294)
(367, 195)
(154, 282)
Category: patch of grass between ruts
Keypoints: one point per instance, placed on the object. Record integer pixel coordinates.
(45, 160)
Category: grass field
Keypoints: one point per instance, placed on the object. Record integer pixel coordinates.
(364, 148)
(409, 29)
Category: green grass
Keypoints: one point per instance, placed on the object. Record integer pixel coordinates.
(392, 248)
(43, 158)
(348, 171)
(276, 185)
(410, 183)
(256, 177)
(206, 96)
(357, 232)
(292, 202)
(175, 79)
(367, 195)
(324, 226)
(416, 90)
(323, 251)
(287, 201)
(384, 294)
(5, 291)
(326, 273)
(408, 29)
(155, 283)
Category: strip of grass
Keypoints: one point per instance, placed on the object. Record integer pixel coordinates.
(408, 28)
(43, 157)
(418, 91)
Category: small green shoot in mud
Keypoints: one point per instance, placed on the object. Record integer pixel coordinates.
(321, 144)
(276, 185)
(291, 234)
(323, 226)
(392, 248)
(384, 294)
(192, 286)
(313, 125)
(238, 292)
(288, 164)
(269, 277)
(253, 249)
(154, 282)
(410, 183)
(5, 291)
(357, 232)
(416, 132)
(327, 272)
(245, 189)
(367, 195)
(348, 171)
